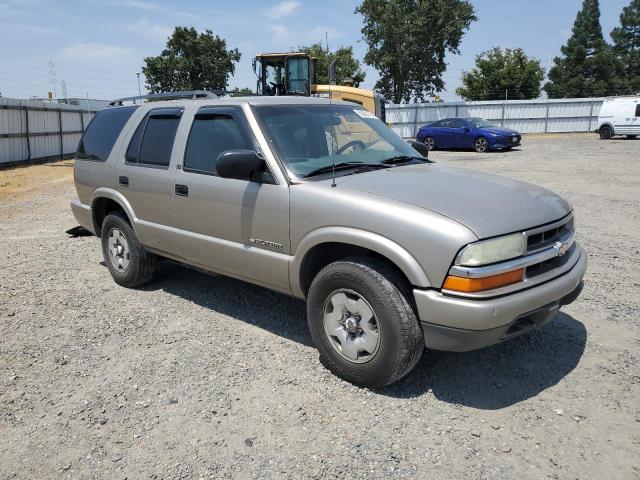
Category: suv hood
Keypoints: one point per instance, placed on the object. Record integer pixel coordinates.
(489, 205)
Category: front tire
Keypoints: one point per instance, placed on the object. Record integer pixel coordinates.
(605, 132)
(129, 263)
(481, 145)
(362, 322)
(430, 143)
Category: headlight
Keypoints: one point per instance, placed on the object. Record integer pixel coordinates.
(492, 251)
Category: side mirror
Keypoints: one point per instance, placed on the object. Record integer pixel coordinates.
(242, 165)
(421, 148)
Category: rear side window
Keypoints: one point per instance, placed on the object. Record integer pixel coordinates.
(211, 134)
(637, 110)
(152, 141)
(102, 133)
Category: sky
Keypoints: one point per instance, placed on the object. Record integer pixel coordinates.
(96, 47)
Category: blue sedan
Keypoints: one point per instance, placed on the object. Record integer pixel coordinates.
(474, 133)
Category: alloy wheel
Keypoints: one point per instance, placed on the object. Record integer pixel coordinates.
(481, 145)
(430, 143)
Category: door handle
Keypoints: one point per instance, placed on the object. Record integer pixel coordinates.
(182, 190)
(124, 181)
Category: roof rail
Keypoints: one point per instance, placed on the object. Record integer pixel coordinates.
(193, 94)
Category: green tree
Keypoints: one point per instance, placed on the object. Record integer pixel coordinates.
(191, 61)
(500, 71)
(588, 67)
(347, 66)
(626, 45)
(239, 92)
(408, 40)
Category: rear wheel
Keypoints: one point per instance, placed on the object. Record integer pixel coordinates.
(430, 143)
(129, 263)
(606, 132)
(481, 145)
(362, 323)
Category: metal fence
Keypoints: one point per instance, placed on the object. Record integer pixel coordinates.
(33, 130)
(527, 116)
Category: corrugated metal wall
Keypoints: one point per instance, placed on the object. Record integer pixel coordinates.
(527, 116)
(34, 130)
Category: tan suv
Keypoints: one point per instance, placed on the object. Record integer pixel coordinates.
(323, 202)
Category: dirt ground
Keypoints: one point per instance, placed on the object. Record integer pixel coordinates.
(26, 181)
(198, 376)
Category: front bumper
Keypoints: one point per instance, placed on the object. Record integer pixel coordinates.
(503, 143)
(461, 324)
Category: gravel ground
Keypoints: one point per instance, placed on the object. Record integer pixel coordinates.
(203, 376)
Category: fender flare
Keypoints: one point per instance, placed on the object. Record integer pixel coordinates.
(111, 194)
(606, 124)
(361, 238)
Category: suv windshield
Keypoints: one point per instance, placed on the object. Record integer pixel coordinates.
(310, 137)
(480, 123)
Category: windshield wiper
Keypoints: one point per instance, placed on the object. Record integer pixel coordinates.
(398, 159)
(343, 166)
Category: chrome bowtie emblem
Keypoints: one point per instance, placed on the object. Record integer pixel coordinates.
(562, 247)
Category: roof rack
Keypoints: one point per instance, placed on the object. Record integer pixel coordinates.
(193, 94)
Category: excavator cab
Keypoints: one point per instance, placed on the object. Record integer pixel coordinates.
(281, 74)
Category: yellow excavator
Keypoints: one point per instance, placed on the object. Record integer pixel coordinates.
(294, 73)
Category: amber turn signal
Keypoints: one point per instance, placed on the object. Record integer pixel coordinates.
(460, 284)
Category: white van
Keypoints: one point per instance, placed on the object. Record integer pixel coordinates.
(619, 116)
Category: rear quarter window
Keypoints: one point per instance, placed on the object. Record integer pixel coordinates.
(152, 141)
(102, 133)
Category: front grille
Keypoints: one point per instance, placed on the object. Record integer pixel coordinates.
(548, 265)
(547, 238)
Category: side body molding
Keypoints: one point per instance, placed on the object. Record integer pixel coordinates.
(352, 236)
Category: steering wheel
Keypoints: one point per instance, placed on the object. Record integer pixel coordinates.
(352, 143)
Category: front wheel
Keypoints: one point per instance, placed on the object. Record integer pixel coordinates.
(481, 145)
(362, 322)
(430, 143)
(605, 132)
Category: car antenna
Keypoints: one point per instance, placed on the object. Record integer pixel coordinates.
(332, 76)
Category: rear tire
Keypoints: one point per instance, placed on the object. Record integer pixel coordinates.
(430, 143)
(481, 145)
(129, 263)
(605, 132)
(362, 322)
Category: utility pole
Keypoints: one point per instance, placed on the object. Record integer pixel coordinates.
(139, 92)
